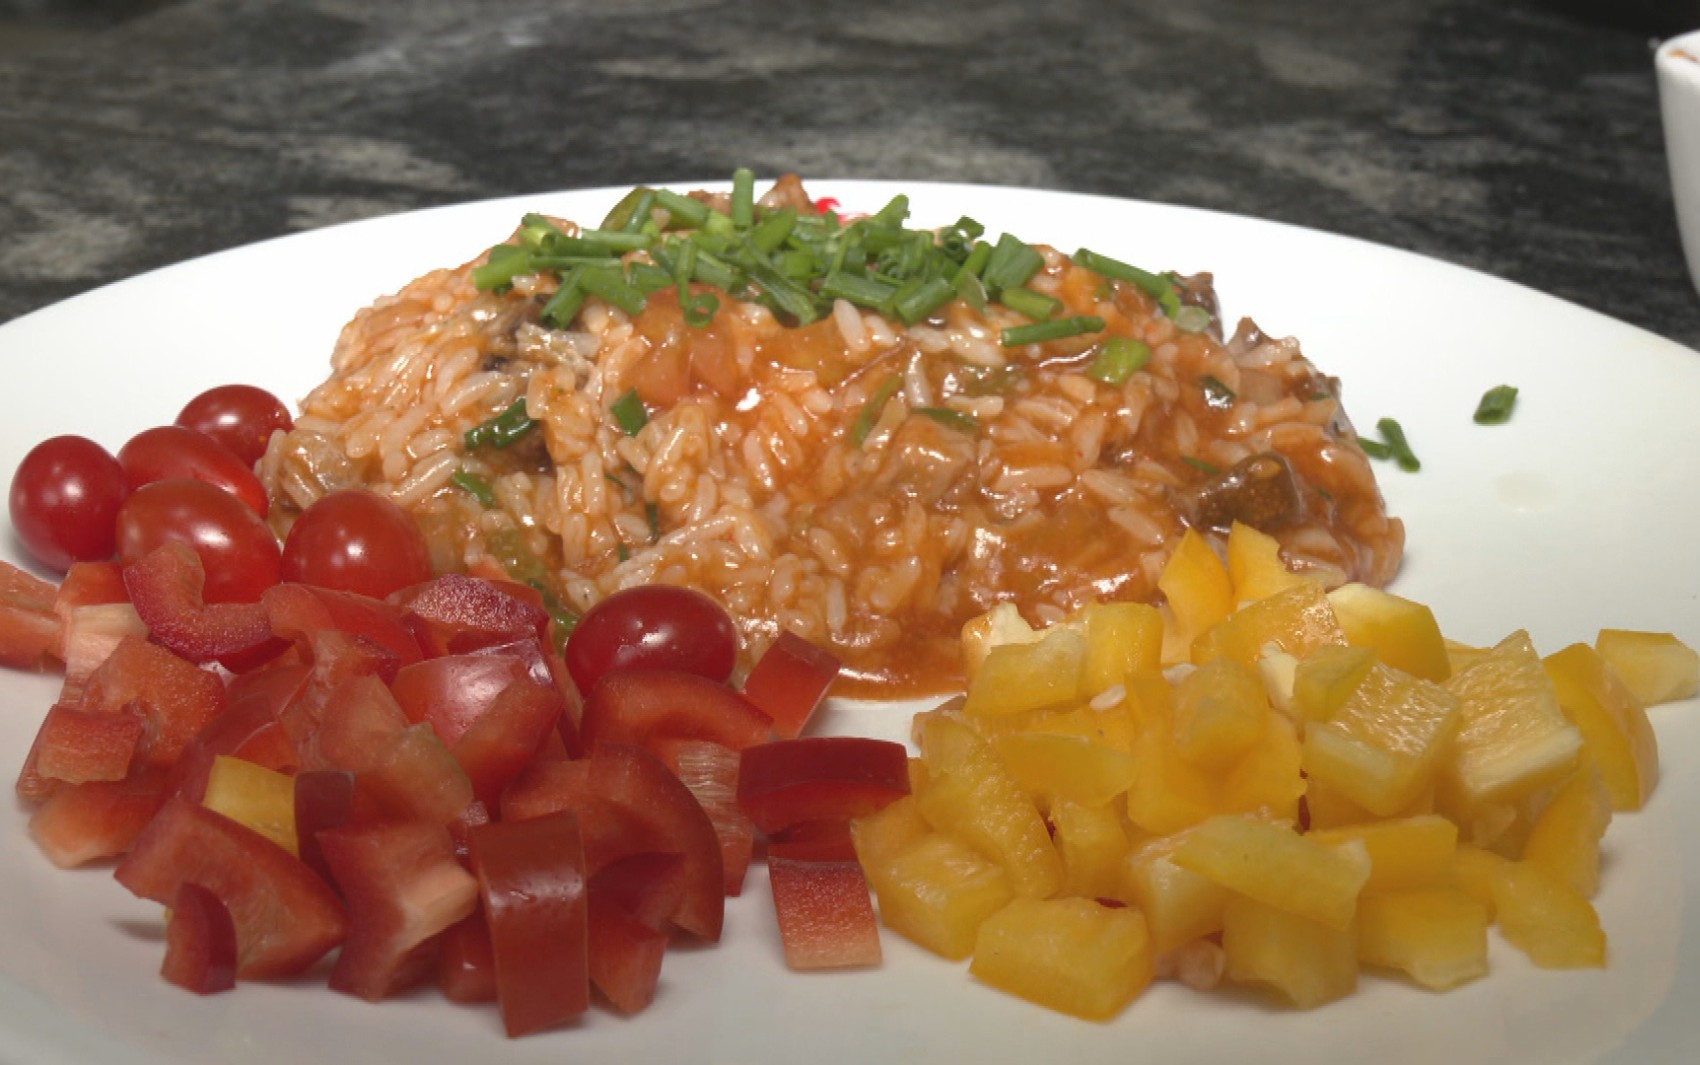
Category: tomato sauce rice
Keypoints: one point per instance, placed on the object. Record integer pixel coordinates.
(866, 466)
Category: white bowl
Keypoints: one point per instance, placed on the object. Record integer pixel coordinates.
(1678, 65)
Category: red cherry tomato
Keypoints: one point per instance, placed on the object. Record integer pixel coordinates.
(655, 626)
(65, 498)
(171, 451)
(241, 417)
(236, 547)
(355, 541)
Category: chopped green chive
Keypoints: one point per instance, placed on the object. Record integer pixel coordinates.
(612, 286)
(1375, 449)
(652, 513)
(1055, 329)
(1035, 305)
(624, 552)
(1011, 264)
(1192, 319)
(869, 415)
(743, 197)
(1496, 405)
(1393, 446)
(863, 291)
(501, 430)
(1201, 466)
(628, 413)
(685, 211)
(1119, 359)
(953, 419)
(564, 305)
(699, 307)
(918, 299)
(476, 487)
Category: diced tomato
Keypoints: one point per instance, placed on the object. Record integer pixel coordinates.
(789, 782)
(403, 886)
(76, 746)
(166, 587)
(324, 801)
(200, 942)
(710, 771)
(628, 802)
(643, 706)
(29, 629)
(826, 915)
(625, 956)
(531, 880)
(455, 614)
(466, 962)
(81, 823)
(175, 698)
(790, 681)
(286, 917)
(298, 611)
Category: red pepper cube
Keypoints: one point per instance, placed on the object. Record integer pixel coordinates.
(829, 778)
(790, 682)
(826, 914)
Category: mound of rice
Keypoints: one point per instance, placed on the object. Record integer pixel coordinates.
(867, 485)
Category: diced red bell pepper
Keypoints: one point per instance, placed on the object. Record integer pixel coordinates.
(710, 771)
(628, 802)
(81, 823)
(298, 612)
(403, 886)
(405, 766)
(826, 915)
(200, 943)
(76, 746)
(455, 614)
(466, 962)
(90, 584)
(324, 801)
(451, 692)
(643, 706)
(286, 917)
(336, 657)
(789, 782)
(650, 885)
(548, 669)
(815, 841)
(249, 728)
(91, 634)
(790, 681)
(501, 743)
(625, 956)
(531, 881)
(166, 587)
(174, 697)
(29, 629)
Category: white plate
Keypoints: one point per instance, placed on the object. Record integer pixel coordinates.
(1580, 513)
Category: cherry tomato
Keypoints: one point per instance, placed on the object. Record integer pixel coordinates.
(65, 498)
(241, 417)
(237, 548)
(655, 626)
(171, 451)
(354, 541)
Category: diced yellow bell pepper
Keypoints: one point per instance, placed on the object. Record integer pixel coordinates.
(1382, 747)
(1070, 768)
(1076, 956)
(1019, 677)
(1512, 735)
(261, 798)
(936, 890)
(1403, 633)
(1437, 936)
(1121, 638)
(881, 835)
(1199, 593)
(1614, 726)
(1328, 807)
(1179, 904)
(1404, 853)
(1547, 919)
(974, 797)
(1473, 872)
(1324, 679)
(1109, 725)
(1278, 867)
(1267, 776)
(1565, 839)
(1254, 565)
(1168, 792)
(1307, 963)
(1000, 625)
(1656, 667)
(1219, 711)
(1298, 620)
(1094, 847)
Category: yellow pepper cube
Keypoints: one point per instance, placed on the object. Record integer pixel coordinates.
(1179, 905)
(1019, 677)
(1403, 633)
(1121, 638)
(1656, 667)
(1384, 744)
(1328, 807)
(261, 798)
(1075, 956)
(1267, 777)
(1324, 679)
(1547, 919)
(1405, 853)
(1298, 620)
(1614, 726)
(882, 834)
(1196, 585)
(1219, 711)
(1094, 847)
(1512, 735)
(980, 803)
(1168, 792)
(1307, 963)
(1565, 838)
(1071, 768)
(1109, 726)
(1255, 568)
(1278, 867)
(936, 891)
(1437, 936)
(1473, 872)
(1000, 625)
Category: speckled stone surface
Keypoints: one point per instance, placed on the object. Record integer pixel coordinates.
(1517, 137)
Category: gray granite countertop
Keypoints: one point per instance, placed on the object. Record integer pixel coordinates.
(1517, 137)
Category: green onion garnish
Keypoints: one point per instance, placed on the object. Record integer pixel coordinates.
(628, 413)
(954, 419)
(501, 430)
(1375, 449)
(612, 286)
(743, 197)
(1192, 319)
(504, 263)
(1011, 265)
(652, 513)
(564, 305)
(870, 412)
(685, 211)
(1055, 329)
(1398, 448)
(918, 299)
(1035, 305)
(1119, 359)
(1200, 465)
(699, 307)
(474, 486)
(1496, 405)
